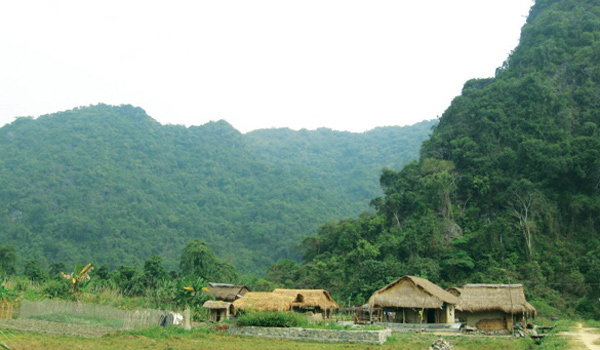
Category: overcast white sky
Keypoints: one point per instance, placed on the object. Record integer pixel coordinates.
(342, 64)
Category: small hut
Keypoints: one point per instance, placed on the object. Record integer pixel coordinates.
(492, 306)
(263, 301)
(413, 300)
(317, 301)
(219, 310)
(226, 292)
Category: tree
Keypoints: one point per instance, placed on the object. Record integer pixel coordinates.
(199, 260)
(154, 271)
(55, 270)
(34, 271)
(284, 273)
(523, 202)
(8, 259)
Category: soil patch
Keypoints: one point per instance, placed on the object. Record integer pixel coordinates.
(587, 336)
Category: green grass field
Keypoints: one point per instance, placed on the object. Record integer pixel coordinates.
(202, 338)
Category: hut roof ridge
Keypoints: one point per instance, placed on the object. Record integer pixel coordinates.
(310, 297)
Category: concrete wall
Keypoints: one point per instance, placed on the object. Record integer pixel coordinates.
(317, 335)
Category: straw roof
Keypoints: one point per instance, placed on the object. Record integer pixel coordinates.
(216, 304)
(412, 292)
(227, 292)
(509, 298)
(454, 291)
(264, 301)
(307, 298)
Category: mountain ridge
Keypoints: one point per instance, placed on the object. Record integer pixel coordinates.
(111, 184)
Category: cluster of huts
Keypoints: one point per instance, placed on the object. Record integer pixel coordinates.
(233, 298)
(409, 299)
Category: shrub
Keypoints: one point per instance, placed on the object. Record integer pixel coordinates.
(272, 319)
(55, 289)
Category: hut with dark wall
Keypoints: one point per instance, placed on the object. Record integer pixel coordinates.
(219, 310)
(409, 298)
(226, 292)
(492, 307)
(317, 301)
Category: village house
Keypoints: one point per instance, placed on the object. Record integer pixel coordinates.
(222, 308)
(412, 300)
(219, 310)
(263, 301)
(226, 292)
(316, 301)
(492, 306)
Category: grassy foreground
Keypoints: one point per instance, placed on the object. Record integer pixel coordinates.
(177, 339)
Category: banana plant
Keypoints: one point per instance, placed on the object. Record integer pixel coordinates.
(78, 277)
(191, 293)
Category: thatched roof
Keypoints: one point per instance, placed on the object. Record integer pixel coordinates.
(226, 292)
(509, 298)
(264, 301)
(454, 291)
(307, 298)
(412, 292)
(216, 304)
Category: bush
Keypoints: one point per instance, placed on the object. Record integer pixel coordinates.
(56, 289)
(272, 319)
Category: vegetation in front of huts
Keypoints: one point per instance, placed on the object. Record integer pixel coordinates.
(293, 319)
(126, 287)
(271, 319)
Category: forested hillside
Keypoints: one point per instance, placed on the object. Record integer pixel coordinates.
(506, 189)
(343, 161)
(110, 185)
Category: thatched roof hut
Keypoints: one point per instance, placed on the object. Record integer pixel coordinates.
(309, 298)
(508, 298)
(264, 301)
(412, 292)
(219, 310)
(226, 292)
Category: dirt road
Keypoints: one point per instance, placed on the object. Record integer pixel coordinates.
(585, 336)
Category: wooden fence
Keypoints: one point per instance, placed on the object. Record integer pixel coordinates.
(6, 310)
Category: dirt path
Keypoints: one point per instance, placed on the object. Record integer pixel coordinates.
(586, 336)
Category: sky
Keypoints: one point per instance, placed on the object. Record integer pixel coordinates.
(342, 64)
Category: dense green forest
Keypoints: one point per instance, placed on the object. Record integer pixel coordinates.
(110, 185)
(506, 189)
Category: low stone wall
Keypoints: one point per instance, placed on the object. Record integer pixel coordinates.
(415, 327)
(315, 335)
